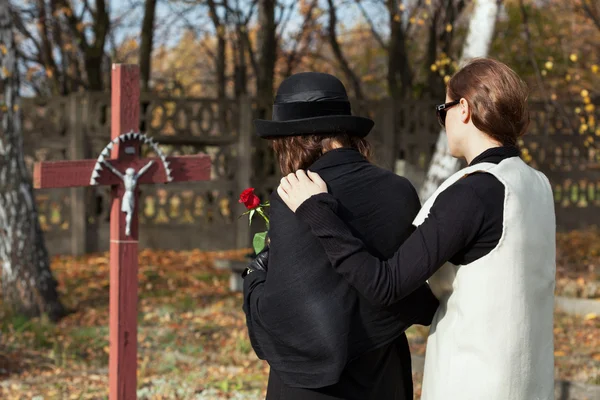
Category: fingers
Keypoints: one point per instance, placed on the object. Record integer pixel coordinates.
(316, 178)
(301, 175)
(292, 179)
(285, 184)
(282, 193)
(295, 188)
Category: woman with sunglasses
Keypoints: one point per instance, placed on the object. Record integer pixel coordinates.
(485, 241)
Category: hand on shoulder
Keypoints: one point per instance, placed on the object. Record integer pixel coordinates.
(298, 187)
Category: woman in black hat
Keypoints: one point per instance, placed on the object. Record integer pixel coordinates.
(321, 339)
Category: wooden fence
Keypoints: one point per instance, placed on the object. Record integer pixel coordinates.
(204, 215)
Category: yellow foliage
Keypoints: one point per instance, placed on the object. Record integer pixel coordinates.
(573, 57)
(449, 28)
(549, 65)
(30, 71)
(67, 11)
(585, 93)
(369, 78)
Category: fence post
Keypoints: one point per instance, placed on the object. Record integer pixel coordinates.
(244, 165)
(388, 135)
(77, 151)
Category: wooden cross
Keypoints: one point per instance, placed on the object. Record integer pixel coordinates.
(123, 248)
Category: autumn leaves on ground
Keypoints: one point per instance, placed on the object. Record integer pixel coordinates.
(192, 337)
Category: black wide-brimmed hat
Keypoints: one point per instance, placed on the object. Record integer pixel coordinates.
(312, 103)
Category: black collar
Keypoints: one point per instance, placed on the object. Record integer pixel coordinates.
(496, 154)
(332, 158)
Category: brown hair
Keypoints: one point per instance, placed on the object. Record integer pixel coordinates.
(299, 152)
(497, 98)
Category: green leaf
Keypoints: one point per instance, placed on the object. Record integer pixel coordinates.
(251, 215)
(259, 241)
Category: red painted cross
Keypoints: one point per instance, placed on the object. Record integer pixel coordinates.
(123, 248)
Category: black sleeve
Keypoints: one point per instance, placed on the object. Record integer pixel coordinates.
(253, 288)
(297, 319)
(453, 222)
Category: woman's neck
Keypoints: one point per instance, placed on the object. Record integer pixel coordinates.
(478, 145)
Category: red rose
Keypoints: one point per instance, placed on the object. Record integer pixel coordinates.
(249, 199)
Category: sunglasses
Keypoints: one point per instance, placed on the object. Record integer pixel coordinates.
(441, 111)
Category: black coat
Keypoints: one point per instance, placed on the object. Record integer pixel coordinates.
(321, 339)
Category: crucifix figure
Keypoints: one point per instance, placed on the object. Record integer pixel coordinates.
(130, 183)
(123, 154)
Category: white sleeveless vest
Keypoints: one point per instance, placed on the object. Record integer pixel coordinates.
(492, 336)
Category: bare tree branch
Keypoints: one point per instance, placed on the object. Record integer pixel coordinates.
(293, 54)
(376, 34)
(335, 46)
(20, 25)
(283, 21)
(590, 13)
(73, 23)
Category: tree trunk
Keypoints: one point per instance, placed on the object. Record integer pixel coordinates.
(399, 75)
(435, 83)
(146, 45)
(46, 48)
(220, 63)
(94, 56)
(241, 66)
(477, 44)
(27, 283)
(93, 53)
(337, 51)
(267, 54)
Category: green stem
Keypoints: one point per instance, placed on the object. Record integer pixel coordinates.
(262, 214)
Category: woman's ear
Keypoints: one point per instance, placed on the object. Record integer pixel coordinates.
(465, 111)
